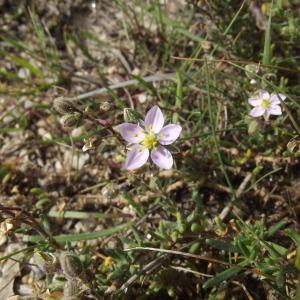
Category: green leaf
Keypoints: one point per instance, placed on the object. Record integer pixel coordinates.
(278, 250)
(26, 64)
(31, 248)
(276, 227)
(267, 46)
(39, 30)
(295, 236)
(4, 170)
(243, 248)
(179, 90)
(179, 95)
(222, 245)
(220, 277)
(38, 191)
(63, 238)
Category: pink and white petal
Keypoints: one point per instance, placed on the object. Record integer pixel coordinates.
(263, 94)
(162, 158)
(136, 158)
(255, 101)
(132, 133)
(169, 134)
(274, 99)
(277, 98)
(154, 119)
(257, 111)
(275, 110)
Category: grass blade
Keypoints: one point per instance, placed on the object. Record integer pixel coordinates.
(220, 277)
(63, 238)
(267, 46)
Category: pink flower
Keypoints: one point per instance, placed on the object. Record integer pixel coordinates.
(266, 104)
(149, 140)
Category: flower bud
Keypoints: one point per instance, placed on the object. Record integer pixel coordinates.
(195, 227)
(266, 8)
(194, 247)
(71, 265)
(72, 119)
(131, 115)
(105, 106)
(251, 70)
(63, 106)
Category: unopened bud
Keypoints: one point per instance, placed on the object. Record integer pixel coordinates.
(195, 227)
(72, 119)
(266, 8)
(71, 265)
(251, 70)
(63, 106)
(107, 262)
(105, 106)
(131, 115)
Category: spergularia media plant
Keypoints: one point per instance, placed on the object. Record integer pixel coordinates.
(147, 139)
(266, 104)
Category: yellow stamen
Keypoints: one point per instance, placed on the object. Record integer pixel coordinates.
(265, 103)
(150, 140)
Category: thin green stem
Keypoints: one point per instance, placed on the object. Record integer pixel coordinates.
(213, 131)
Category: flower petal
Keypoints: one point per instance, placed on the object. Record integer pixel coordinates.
(154, 119)
(132, 133)
(275, 110)
(255, 101)
(169, 134)
(275, 98)
(257, 111)
(264, 95)
(137, 157)
(282, 97)
(162, 157)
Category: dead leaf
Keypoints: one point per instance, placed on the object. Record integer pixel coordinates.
(10, 269)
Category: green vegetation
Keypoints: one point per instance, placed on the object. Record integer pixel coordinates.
(223, 223)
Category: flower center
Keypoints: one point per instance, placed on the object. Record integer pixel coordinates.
(265, 103)
(150, 141)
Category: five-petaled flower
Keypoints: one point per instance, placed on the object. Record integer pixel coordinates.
(150, 139)
(266, 104)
